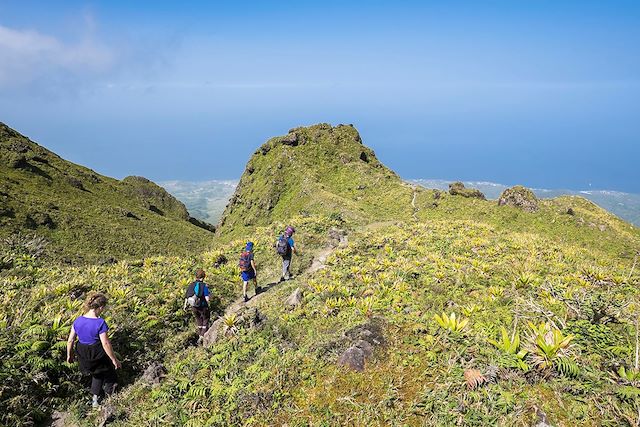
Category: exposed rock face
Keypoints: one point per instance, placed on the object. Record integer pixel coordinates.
(295, 299)
(458, 189)
(519, 197)
(247, 317)
(352, 358)
(213, 333)
(154, 373)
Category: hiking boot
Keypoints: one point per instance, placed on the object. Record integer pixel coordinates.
(94, 402)
(200, 340)
(281, 280)
(246, 298)
(258, 290)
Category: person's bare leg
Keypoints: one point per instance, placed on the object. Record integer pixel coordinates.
(244, 291)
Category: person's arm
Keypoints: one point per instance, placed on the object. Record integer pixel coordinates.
(206, 293)
(253, 265)
(70, 341)
(106, 344)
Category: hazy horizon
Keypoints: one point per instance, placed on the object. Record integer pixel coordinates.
(207, 199)
(542, 93)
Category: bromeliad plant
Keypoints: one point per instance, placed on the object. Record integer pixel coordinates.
(451, 323)
(511, 346)
(549, 348)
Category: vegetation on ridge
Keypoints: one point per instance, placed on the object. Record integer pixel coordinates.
(86, 217)
(477, 314)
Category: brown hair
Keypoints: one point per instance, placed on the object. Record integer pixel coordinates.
(95, 300)
(200, 274)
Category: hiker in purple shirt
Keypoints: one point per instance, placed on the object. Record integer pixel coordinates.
(93, 348)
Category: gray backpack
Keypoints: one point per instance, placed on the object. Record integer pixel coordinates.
(195, 300)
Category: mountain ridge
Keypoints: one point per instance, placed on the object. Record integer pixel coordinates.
(78, 210)
(207, 199)
(398, 296)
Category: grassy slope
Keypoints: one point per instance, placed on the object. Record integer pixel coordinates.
(86, 216)
(406, 272)
(322, 173)
(497, 266)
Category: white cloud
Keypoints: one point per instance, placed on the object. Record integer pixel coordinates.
(28, 56)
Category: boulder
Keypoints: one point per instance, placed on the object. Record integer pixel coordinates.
(60, 419)
(458, 189)
(154, 373)
(295, 299)
(366, 348)
(352, 358)
(371, 332)
(519, 197)
(290, 139)
(108, 415)
(214, 333)
(364, 338)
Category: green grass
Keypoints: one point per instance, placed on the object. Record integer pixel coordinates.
(87, 217)
(498, 267)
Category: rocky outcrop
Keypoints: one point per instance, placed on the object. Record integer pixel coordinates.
(519, 197)
(246, 317)
(364, 338)
(295, 299)
(353, 358)
(321, 169)
(458, 189)
(154, 374)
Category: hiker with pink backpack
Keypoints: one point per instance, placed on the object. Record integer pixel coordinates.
(248, 273)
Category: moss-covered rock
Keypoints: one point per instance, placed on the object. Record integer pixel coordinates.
(458, 189)
(519, 197)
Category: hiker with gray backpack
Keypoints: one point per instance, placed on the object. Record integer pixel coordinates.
(285, 247)
(197, 297)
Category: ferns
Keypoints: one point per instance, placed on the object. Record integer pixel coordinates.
(512, 347)
(566, 367)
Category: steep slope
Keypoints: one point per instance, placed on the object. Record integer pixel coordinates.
(318, 170)
(363, 346)
(86, 216)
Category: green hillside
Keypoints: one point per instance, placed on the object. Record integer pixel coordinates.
(315, 170)
(446, 310)
(84, 216)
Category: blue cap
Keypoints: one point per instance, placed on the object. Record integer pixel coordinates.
(249, 246)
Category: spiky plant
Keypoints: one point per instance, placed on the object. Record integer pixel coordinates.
(451, 323)
(231, 324)
(548, 347)
(511, 346)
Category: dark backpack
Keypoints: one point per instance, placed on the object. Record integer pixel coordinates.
(245, 261)
(282, 246)
(196, 299)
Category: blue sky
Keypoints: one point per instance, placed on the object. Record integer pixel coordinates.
(541, 93)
